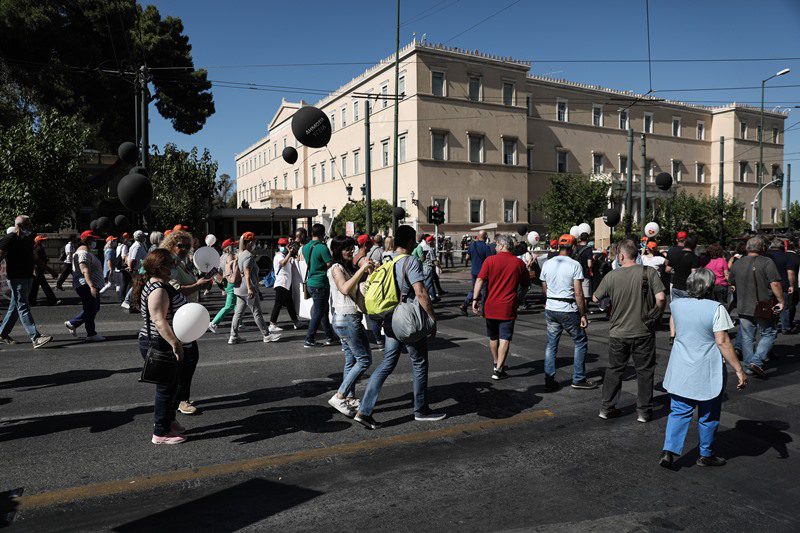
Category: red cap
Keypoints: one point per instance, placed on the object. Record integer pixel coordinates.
(363, 240)
(652, 245)
(126, 235)
(248, 236)
(682, 235)
(40, 238)
(88, 235)
(110, 238)
(429, 238)
(229, 242)
(553, 243)
(179, 227)
(566, 240)
(167, 232)
(283, 241)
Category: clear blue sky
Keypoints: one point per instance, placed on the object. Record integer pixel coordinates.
(245, 32)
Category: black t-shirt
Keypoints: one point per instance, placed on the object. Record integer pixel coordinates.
(583, 255)
(781, 260)
(674, 253)
(19, 255)
(683, 268)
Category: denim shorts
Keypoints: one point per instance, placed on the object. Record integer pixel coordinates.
(499, 329)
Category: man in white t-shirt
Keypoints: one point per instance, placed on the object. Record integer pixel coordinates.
(134, 257)
(652, 258)
(282, 265)
(565, 310)
(69, 249)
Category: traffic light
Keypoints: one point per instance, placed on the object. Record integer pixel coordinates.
(435, 215)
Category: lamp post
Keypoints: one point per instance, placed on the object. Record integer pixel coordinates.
(757, 221)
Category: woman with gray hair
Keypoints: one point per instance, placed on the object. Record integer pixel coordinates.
(696, 371)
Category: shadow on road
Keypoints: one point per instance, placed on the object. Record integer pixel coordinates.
(753, 438)
(70, 377)
(230, 509)
(95, 421)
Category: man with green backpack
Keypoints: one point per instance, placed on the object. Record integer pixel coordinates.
(393, 283)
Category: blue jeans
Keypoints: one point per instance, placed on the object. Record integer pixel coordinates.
(786, 314)
(557, 322)
(91, 306)
(418, 353)
(355, 346)
(749, 326)
(481, 296)
(680, 416)
(319, 313)
(18, 307)
(375, 327)
(428, 281)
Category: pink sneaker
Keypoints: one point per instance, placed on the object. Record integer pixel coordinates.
(169, 439)
(175, 427)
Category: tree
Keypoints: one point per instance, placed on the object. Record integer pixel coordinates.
(357, 212)
(183, 184)
(41, 170)
(222, 192)
(79, 57)
(572, 199)
(794, 216)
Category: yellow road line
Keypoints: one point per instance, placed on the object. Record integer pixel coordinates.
(124, 486)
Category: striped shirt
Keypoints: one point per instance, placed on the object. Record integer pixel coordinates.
(176, 300)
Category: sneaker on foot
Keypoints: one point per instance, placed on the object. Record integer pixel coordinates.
(296, 324)
(758, 370)
(274, 329)
(7, 340)
(551, 385)
(605, 414)
(212, 328)
(331, 342)
(367, 421)
(429, 416)
(125, 305)
(712, 460)
(667, 460)
(105, 287)
(38, 342)
(272, 337)
(187, 408)
(584, 384)
(644, 417)
(499, 373)
(72, 329)
(168, 439)
(95, 338)
(235, 340)
(312, 344)
(354, 402)
(463, 309)
(341, 405)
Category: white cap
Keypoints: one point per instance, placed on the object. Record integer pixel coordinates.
(138, 234)
(10, 230)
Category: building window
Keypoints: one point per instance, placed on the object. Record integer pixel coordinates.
(385, 153)
(355, 110)
(648, 169)
(774, 171)
(438, 83)
(700, 172)
(561, 161)
(286, 181)
(676, 126)
(333, 121)
(529, 105)
(313, 174)
(562, 110)
(597, 115)
(343, 168)
(275, 150)
(509, 211)
(509, 151)
(701, 131)
(508, 93)
(623, 165)
(597, 163)
(439, 146)
(344, 117)
(743, 171)
(372, 161)
(676, 170)
(296, 179)
(475, 148)
(334, 169)
(475, 211)
(743, 130)
(775, 135)
(475, 88)
(284, 142)
(322, 172)
(401, 148)
(623, 120)
(384, 96)
(773, 215)
(270, 154)
(356, 162)
(648, 123)
(529, 156)
(401, 85)
(403, 205)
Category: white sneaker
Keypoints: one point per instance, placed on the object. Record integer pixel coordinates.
(355, 403)
(297, 325)
(274, 329)
(125, 305)
(95, 338)
(212, 328)
(105, 287)
(72, 329)
(341, 405)
(272, 337)
(235, 340)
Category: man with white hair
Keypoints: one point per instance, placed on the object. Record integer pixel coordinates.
(17, 250)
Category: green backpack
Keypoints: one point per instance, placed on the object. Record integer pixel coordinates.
(382, 294)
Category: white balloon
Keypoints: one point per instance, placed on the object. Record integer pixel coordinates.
(190, 322)
(574, 231)
(651, 229)
(206, 258)
(533, 238)
(210, 240)
(584, 228)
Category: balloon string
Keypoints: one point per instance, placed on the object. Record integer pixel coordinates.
(333, 166)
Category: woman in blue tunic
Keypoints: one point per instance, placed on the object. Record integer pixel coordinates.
(695, 377)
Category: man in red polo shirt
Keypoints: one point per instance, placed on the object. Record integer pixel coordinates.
(504, 275)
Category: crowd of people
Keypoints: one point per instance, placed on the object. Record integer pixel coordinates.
(631, 283)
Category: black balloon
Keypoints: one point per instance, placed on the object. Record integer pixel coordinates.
(311, 126)
(522, 229)
(664, 181)
(290, 155)
(399, 213)
(135, 192)
(121, 222)
(128, 153)
(93, 225)
(104, 224)
(611, 217)
(139, 170)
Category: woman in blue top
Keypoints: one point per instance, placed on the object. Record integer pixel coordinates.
(695, 375)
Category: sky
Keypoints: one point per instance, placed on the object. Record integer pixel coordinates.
(229, 37)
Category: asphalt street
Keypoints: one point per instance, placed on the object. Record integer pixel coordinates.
(267, 452)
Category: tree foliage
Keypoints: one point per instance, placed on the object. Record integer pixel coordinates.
(572, 199)
(41, 172)
(357, 212)
(67, 56)
(223, 192)
(183, 185)
(794, 216)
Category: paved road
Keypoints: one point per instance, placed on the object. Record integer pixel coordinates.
(268, 452)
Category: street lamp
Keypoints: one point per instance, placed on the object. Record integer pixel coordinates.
(761, 143)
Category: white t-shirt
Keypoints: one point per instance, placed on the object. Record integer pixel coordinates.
(283, 274)
(122, 251)
(559, 273)
(654, 261)
(69, 249)
(137, 252)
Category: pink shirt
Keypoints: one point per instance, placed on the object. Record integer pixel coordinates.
(718, 266)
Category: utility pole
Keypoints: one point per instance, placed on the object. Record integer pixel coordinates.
(788, 191)
(396, 118)
(629, 185)
(643, 190)
(368, 169)
(759, 172)
(136, 111)
(721, 192)
(145, 102)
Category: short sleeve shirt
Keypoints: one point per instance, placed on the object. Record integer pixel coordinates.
(137, 253)
(559, 273)
(583, 258)
(317, 256)
(503, 273)
(752, 286)
(247, 260)
(683, 268)
(283, 274)
(407, 272)
(781, 260)
(722, 320)
(624, 287)
(478, 252)
(19, 255)
(95, 269)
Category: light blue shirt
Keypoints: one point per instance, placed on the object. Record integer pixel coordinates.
(695, 369)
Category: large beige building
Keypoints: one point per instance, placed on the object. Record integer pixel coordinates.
(480, 136)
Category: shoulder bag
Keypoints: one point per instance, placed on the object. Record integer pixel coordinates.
(160, 366)
(764, 308)
(651, 315)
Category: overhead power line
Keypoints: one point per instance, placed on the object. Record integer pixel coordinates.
(482, 21)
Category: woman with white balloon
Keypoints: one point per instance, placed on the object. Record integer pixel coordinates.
(158, 301)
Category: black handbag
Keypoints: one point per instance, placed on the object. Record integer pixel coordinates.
(160, 366)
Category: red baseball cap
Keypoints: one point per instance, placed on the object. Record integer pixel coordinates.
(126, 235)
(167, 232)
(110, 238)
(40, 238)
(363, 239)
(566, 240)
(429, 238)
(248, 236)
(180, 227)
(553, 243)
(229, 242)
(682, 235)
(283, 241)
(88, 235)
